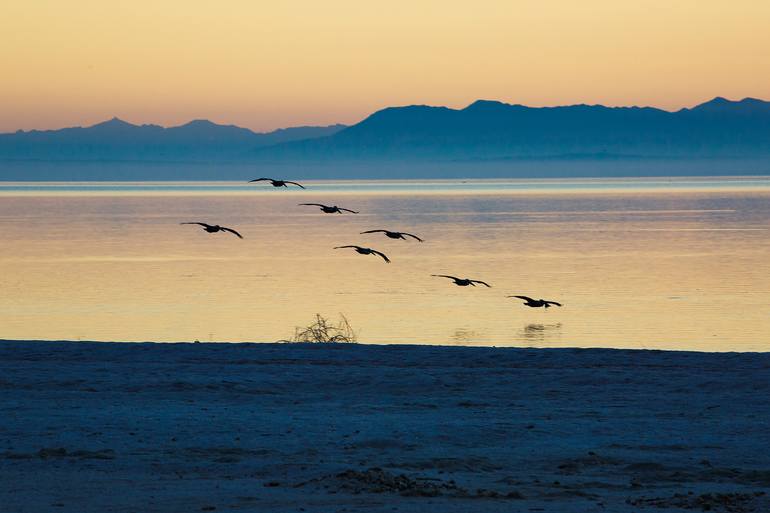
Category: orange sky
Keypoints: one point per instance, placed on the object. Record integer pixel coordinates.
(265, 65)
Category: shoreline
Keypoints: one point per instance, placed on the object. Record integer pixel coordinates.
(119, 427)
(284, 343)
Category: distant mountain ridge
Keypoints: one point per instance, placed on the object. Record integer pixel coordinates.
(486, 138)
(487, 130)
(116, 139)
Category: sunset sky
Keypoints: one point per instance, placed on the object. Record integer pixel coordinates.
(265, 65)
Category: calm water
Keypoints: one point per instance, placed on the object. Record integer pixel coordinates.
(652, 263)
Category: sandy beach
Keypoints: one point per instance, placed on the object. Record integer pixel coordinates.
(109, 427)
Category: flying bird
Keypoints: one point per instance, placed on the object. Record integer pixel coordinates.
(276, 183)
(214, 228)
(536, 303)
(330, 210)
(366, 251)
(462, 282)
(394, 235)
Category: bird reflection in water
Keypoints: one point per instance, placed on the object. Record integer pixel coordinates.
(463, 336)
(540, 333)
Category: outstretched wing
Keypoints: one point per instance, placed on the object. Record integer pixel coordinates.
(294, 183)
(553, 303)
(387, 260)
(201, 224)
(482, 282)
(312, 204)
(374, 231)
(261, 180)
(340, 247)
(445, 276)
(413, 236)
(233, 232)
(525, 298)
(348, 210)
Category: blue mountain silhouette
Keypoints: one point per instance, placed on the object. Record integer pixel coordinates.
(116, 139)
(416, 140)
(494, 130)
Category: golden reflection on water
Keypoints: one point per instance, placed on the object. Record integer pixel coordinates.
(539, 334)
(682, 270)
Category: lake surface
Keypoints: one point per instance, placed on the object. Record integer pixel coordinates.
(638, 263)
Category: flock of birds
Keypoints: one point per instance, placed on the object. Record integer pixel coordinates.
(334, 209)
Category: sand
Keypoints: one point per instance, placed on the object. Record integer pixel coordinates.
(108, 427)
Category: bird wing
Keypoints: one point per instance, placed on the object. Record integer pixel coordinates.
(201, 224)
(553, 303)
(261, 180)
(446, 276)
(382, 255)
(294, 183)
(232, 231)
(312, 204)
(348, 210)
(525, 298)
(413, 236)
(374, 231)
(340, 247)
(482, 282)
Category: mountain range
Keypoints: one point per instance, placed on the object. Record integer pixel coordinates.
(117, 140)
(483, 132)
(489, 130)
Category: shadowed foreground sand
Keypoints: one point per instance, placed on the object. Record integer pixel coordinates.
(97, 427)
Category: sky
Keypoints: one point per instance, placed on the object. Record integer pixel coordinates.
(265, 65)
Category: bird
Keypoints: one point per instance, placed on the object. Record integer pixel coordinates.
(536, 303)
(330, 210)
(394, 235)
(214, 228)
(462, 282)
(366, 251)
(277, 183)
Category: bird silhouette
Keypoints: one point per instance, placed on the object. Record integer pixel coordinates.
(536, 303)
(330, 210)
(214, 228)
(366, 251)
(394, 235)
(277, 183)
(462, 282)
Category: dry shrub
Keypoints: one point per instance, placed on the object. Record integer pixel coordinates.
(324, 331)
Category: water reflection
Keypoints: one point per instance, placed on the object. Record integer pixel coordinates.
(464, 337)
(656, 270)
(540, 333)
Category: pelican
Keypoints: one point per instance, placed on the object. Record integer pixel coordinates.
(330, 210)
(366, 251)
(394, 235)
(536, 303)
(276, 183)
(214, 228)
(462, 282)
